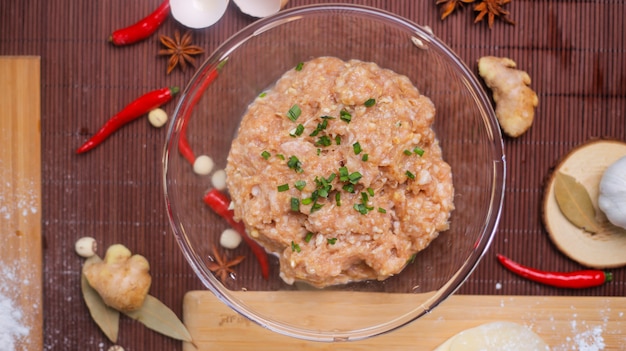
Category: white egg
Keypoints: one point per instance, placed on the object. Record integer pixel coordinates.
(198, 13)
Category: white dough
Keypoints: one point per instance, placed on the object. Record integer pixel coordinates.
(496, 336)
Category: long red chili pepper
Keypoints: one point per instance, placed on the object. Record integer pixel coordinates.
(142, 29)
(572, 280)
(132, 111)
(183, 144)
(219, 203)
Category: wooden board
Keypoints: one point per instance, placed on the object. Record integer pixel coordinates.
(565, 323)
(20, 201)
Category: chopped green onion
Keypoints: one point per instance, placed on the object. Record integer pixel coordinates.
(324, 140)
(364, 198)
(295, 164)
(300, 184)
(357, 148)
(307, 201)
(265, 155)
(338, 140)
(316, 207)
(318, 151)
(345, 116)
(308, 237)
(382, 210)
(263, 94)
(283, 187)
(370, 102)
(294, 112)
(370, 191)
(331, 241)
(365, 157)
(298, 131)
(320, 127)
(295, 204)
(280, 156)
(299, 66)
(407, 152)
(343, 174)
(362, 209)
(354, 177)
(295, 247)
(349, 188)
(418, 150)
(410, 175)
(338, 198)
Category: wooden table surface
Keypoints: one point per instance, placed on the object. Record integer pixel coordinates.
(573, 50)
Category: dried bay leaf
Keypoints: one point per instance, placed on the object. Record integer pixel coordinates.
(575, 203)
(158, 317)
(105, 317)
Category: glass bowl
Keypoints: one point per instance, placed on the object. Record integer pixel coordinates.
(209, 112)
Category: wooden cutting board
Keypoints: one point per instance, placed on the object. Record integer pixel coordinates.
(20, 203)
(565, 323)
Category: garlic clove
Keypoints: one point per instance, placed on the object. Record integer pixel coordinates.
(260, 8)
(612, 198)
(198, 13)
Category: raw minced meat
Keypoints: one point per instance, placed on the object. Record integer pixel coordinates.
(367, 185)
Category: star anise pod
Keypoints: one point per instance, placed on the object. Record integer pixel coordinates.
(223, 267)
(180, 50)
(450, 5)
(492, 9)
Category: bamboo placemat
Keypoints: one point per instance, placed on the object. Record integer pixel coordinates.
(573, 50)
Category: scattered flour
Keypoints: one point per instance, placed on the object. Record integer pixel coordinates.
(590, 340)
(12, 327)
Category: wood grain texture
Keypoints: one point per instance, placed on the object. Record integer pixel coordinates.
(20, 194)
(565, 323)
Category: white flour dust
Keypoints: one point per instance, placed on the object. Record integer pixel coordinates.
(12, 327)
(12, 201)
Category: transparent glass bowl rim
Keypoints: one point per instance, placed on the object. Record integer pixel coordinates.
(497, 187)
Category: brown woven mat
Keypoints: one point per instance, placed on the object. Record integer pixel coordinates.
(573, 50)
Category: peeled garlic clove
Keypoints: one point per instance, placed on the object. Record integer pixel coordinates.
(198, 13)
(260, 8)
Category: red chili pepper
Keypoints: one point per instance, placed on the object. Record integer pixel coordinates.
(183, 144)
(132, 111)
(219, 203)
(142, 29)
(572, 280)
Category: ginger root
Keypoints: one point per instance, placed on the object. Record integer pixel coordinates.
(121, 279)
(515, 101)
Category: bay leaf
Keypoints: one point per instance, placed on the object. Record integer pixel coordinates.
(105, 317)
(575, 203)
(155, 315)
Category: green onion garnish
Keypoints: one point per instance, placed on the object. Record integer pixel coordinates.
(345, 116)
(295, 247)
(295, 164)
(263, 94)
(280, 156)
(338, 140)
(300, 184)
(418, 150)
(410, 175)
(407, 152)
(338, 198)
(295, 204)
(307, 201)
(294, 112)
(298, 131)
(324, 140)
(357, 148)
(331, 241)
(382, 210)
(370, 103)
(365, 157)
(308, 237)
(265, 155)
(283, 187)
(299, 66)
(370, 191)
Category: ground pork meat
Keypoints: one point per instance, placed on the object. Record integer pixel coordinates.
(367, 186)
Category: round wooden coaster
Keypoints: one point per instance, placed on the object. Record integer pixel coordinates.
(607, 247)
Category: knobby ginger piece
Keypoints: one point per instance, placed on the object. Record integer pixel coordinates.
(121, 279)
(515, 101)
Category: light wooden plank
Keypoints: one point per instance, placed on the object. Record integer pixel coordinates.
(565, 323)
(20, 198)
